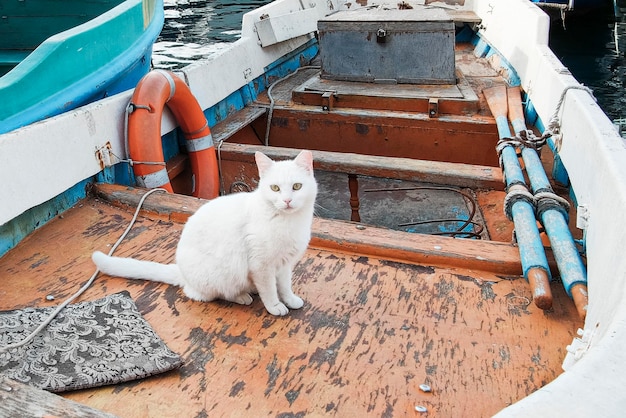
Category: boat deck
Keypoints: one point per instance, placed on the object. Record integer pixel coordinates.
(372, 330)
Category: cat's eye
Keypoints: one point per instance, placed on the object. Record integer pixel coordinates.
(275, 188)
(297, 186)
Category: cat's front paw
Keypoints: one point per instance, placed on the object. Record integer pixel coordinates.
(279, 309)
(294, 302)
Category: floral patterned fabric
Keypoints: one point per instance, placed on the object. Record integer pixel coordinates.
(88, 344)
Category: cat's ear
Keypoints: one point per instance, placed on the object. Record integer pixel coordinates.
(305, 160)
(263, 162)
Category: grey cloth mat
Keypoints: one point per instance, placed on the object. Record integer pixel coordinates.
(88, 344)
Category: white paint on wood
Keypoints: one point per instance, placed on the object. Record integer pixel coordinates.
(595, 157)
(274, 29)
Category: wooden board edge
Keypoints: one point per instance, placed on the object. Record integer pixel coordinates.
(435, 172)
(18, 399)
(347, 237)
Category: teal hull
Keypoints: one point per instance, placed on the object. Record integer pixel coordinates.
(99, 49)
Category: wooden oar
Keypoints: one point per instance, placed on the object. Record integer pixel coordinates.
(553, 216)
(532, 254)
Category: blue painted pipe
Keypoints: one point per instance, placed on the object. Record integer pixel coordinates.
(534, 168)
(554, 221)
(532, 253)
(559, 173)
(512, 171)
(573, 271)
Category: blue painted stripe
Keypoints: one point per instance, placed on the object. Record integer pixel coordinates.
(559, 172)
(12, 232)
(518, 125)
(107, 81)
(483, 49)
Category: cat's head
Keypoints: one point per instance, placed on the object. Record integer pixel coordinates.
(289, 186)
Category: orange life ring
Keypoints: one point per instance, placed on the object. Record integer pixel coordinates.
(155, 90)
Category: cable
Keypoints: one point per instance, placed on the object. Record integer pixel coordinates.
(459, 230)
(272, 102)
(86, 285)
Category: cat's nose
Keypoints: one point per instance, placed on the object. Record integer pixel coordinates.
(287, 201)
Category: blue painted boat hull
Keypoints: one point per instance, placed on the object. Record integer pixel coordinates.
(81, 65)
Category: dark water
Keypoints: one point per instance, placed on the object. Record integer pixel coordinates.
(591, 46)
(196, 29)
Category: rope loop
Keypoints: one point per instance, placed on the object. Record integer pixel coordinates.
(528, 139)
(548, 200)
(505, 142)
(501, 145)
(524, 139)
(132, 162)
(273, 102)
(87, 284)
(517, 193)
(554, 125)
(132, 107)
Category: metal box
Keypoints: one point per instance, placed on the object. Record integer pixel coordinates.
(388, 46)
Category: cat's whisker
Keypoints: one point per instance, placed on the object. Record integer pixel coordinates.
(317, 205)
(319, 210)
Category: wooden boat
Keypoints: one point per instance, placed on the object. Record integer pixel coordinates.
(58, 55)
(478, 316)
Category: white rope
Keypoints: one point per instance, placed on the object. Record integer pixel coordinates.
(564, 92)
(554, 125)
(272, 102)
(86, 285)
(219, 167)
(133, 162)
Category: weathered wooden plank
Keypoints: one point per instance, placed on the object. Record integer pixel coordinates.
(453, 99)
(370, 331)
(161, 205)
(20, 400)
(334, 235)
(430, 250)
(235, 122)
(459, 139)
(462, 16)
(452, 174)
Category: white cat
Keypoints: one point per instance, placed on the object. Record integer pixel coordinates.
(240, 244)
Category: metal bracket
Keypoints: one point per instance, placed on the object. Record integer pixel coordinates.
(582, 216)
(104, 155)
(381, 36)
(433, 108)
(328, 100)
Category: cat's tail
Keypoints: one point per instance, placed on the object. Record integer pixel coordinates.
(138, 269)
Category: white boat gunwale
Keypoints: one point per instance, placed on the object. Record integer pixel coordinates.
(518, 31)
